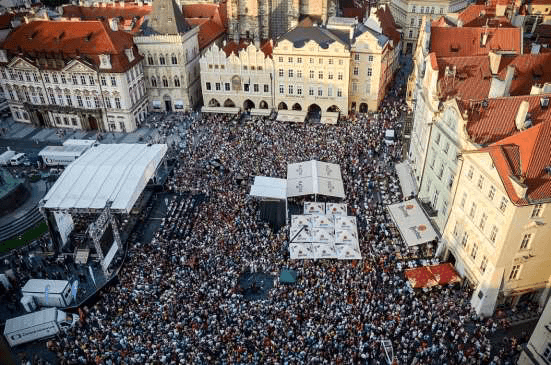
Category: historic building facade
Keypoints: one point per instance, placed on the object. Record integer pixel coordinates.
(238, 75)
(170, 48)
(52, 81)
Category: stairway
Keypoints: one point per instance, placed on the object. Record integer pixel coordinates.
(20, 225)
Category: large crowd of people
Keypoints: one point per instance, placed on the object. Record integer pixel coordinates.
(179, 300)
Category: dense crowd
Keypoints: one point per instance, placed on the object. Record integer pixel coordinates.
(179, 300)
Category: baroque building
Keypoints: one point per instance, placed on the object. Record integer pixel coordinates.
(73, 75)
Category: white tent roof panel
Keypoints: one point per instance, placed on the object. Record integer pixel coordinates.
(314, 177)
(219, 109)
(314, 208)
(107, 172)
(336, 209)
(295, 116)
(269, 187)
(413, 224)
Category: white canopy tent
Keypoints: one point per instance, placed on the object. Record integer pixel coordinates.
(314, 177)
(295, 116)
(407, 181)
(220, 109)
(261, 112)
(316, 236)
(336, 209)
(314, 208)
(269, 187)
(329, 117)
(412, 222)
(106, 172)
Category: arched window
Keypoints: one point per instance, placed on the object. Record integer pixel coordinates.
(174, 59)
(153, 81)
(162, 60)
(150, 59)
(176, 81)
(165, 82)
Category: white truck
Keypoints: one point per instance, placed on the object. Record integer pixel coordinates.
(18, 159)
(64, 155)
(48, 293)
(6, 157)
(390, 136)
(38, 325)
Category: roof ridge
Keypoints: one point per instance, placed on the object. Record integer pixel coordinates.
(107, 31)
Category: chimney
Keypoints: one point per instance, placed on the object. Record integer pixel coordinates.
(484, 38)
(508, 79)
(114, 24)
(495, 60)
(520, 119)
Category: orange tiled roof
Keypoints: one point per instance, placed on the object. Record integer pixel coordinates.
(68, 39)
(5, 20)
(127, 13)
(433, 61)
(496, 121)
(209, 20)
(234, 47)
(479, 15)
(525, 156)
(200, 10)
(466, 41)
(388, 24)
(473, 77)
(442, 22)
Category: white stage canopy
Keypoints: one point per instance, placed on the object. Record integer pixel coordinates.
(314, 177)
(413, 224)
(321, 236)
(407, 181)
(296, 116)
(329, 117)
(220, 110)
(336, 209)
(314, 208)
(261, 112)
(107, 172)
(269, 187)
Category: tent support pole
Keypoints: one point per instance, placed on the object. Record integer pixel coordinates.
(286, 212)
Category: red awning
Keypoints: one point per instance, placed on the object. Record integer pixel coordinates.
(427, 276)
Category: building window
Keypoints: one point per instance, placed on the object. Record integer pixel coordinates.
(113, 81)
(339, 92)
(208, 86)
(280, 59)
(525, 241)
(483, 220)
(441, 10)
(46, 78)
(174, 60)
(165, 82)
(266, 88)
(150, 60)
(88, 101)
(176, 81)
(320, 91)
(411, 34)
(107, 102)
(290, 73)
(320, 61)
(282, 89)
(465, 239)
(299, 74)
(413, 9)
(480, 182)
(311, 91)
(474, 251)
(369, 72)
(412, 21)
(320, 75)
(356, 57)
(470, 173)
(74, 121)
(503, 204)
(330, 76)
(370, 58)
(493, 234)
(311, 74)
(58, 120)
(491, 193)
(536, 212)
(547, 352)
(118, 103)
(514, 272)
(83, 79)
(162, 59)
(299, 59)
(103, 81)
(290, 59)
(217, 86)
(255, 88)
(329, 91)
(91, 78)
(246, 87)
(339, 76)
(20, 75)
(153, 81)
(74, 79)
(441, 172)
(227, 86)
(330, 61)
(97, 102)
(69, 100)
(281, 72)
(450, 182)
(79, 101)
(472, 212)
(456, 229)
(483, 264)
(356, 71)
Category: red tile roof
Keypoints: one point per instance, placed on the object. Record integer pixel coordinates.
(525, 156)
(465, 41)
(209, 20)
(388, 24)
(473, 77)
(442, 22)
(233, 47)
(72, 39)
(5, 20)
(127, 13)
(496, 121)
(479, 15)
(433, 61)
